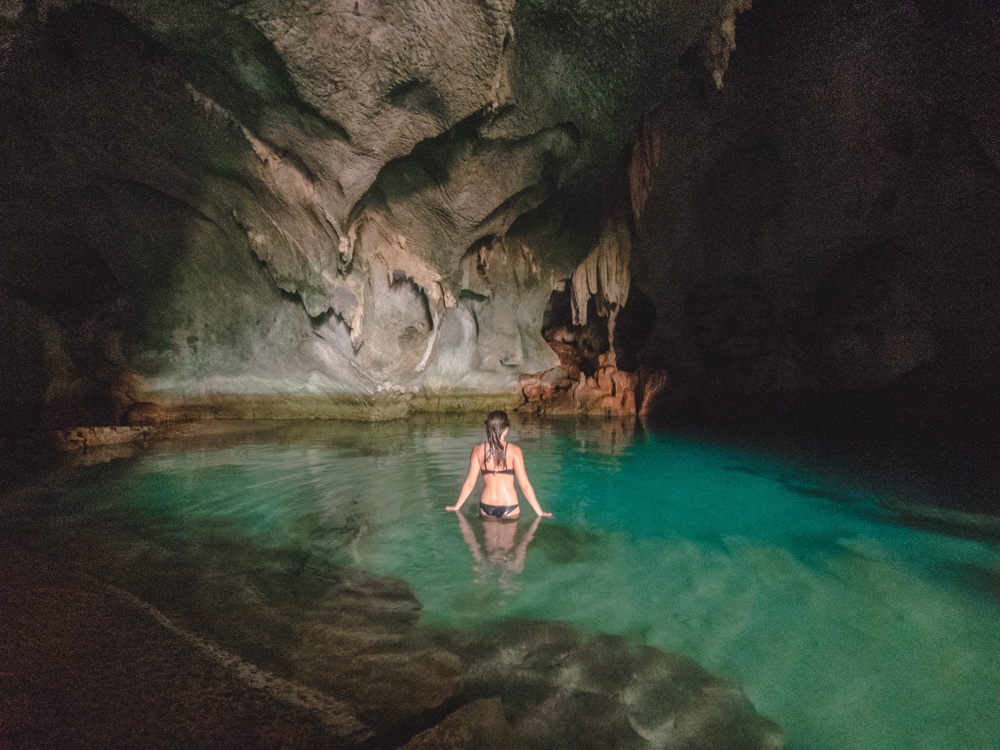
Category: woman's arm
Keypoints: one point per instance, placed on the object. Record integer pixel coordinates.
(470, 538)
(470, 481)
(526, 488)
(522, 549)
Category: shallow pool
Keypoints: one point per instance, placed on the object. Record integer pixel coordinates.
(848, 626)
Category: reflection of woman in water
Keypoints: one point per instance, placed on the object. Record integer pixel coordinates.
(498, 552)
(500, 463)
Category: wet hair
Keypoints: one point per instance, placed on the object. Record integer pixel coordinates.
(496, 423)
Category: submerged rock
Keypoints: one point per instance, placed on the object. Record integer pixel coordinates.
(564, 689)
(480, 724)
(348, 645)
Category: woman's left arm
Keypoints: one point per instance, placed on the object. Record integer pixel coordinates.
(470, 482)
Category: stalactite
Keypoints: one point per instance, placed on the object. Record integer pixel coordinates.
(647, 150)
(722, 41)
(604, 275)
(396, 255)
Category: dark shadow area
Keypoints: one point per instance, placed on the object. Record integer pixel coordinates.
(821, 252)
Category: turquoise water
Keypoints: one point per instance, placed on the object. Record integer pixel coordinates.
(845, 625)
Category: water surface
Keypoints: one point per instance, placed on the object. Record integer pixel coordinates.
(843, 620)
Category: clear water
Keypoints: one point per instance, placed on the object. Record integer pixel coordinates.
(845, 625)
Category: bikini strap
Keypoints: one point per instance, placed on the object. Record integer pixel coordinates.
(495, 470)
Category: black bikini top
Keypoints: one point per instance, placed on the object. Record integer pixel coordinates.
(497, 471)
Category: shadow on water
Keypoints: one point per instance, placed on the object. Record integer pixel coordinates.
(980, 578)
(796, 485)
(917, 511)
(928, 480)
(565, 544)
(956, 461)
(975, 527)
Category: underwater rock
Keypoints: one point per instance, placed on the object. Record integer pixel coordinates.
(330, 629)
(345, 647)
(355, 640)
(88, 666)
(566, 544)
(480, 724)
(563, 689)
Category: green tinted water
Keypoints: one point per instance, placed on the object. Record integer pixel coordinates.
(850, 629)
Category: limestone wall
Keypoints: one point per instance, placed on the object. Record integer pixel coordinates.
(286, 196)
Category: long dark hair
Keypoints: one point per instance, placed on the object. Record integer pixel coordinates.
(496, 423)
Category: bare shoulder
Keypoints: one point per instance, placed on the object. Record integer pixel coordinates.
(514, 451)
(477, 451)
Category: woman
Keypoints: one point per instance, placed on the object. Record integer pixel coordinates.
(500, 463)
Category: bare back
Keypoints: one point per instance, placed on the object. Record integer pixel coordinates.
(499, 489)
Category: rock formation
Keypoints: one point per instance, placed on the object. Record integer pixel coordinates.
(268, 202)
(359, 208)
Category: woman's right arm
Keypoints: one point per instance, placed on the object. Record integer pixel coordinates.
(522, 549)
(522, 479)
(470, 482)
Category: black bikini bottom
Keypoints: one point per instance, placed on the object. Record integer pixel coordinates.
(497, 511)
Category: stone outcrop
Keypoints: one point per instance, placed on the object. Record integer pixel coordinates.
(86, 438)
(566, 389)
(480, 724)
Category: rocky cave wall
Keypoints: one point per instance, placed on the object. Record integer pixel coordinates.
(259, 209)
(824, 232)
(293, 200)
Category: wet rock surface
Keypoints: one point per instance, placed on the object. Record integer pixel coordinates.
(597, 352)
(84, 438)
(480, 724)
(87, 668)
(608, 392)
